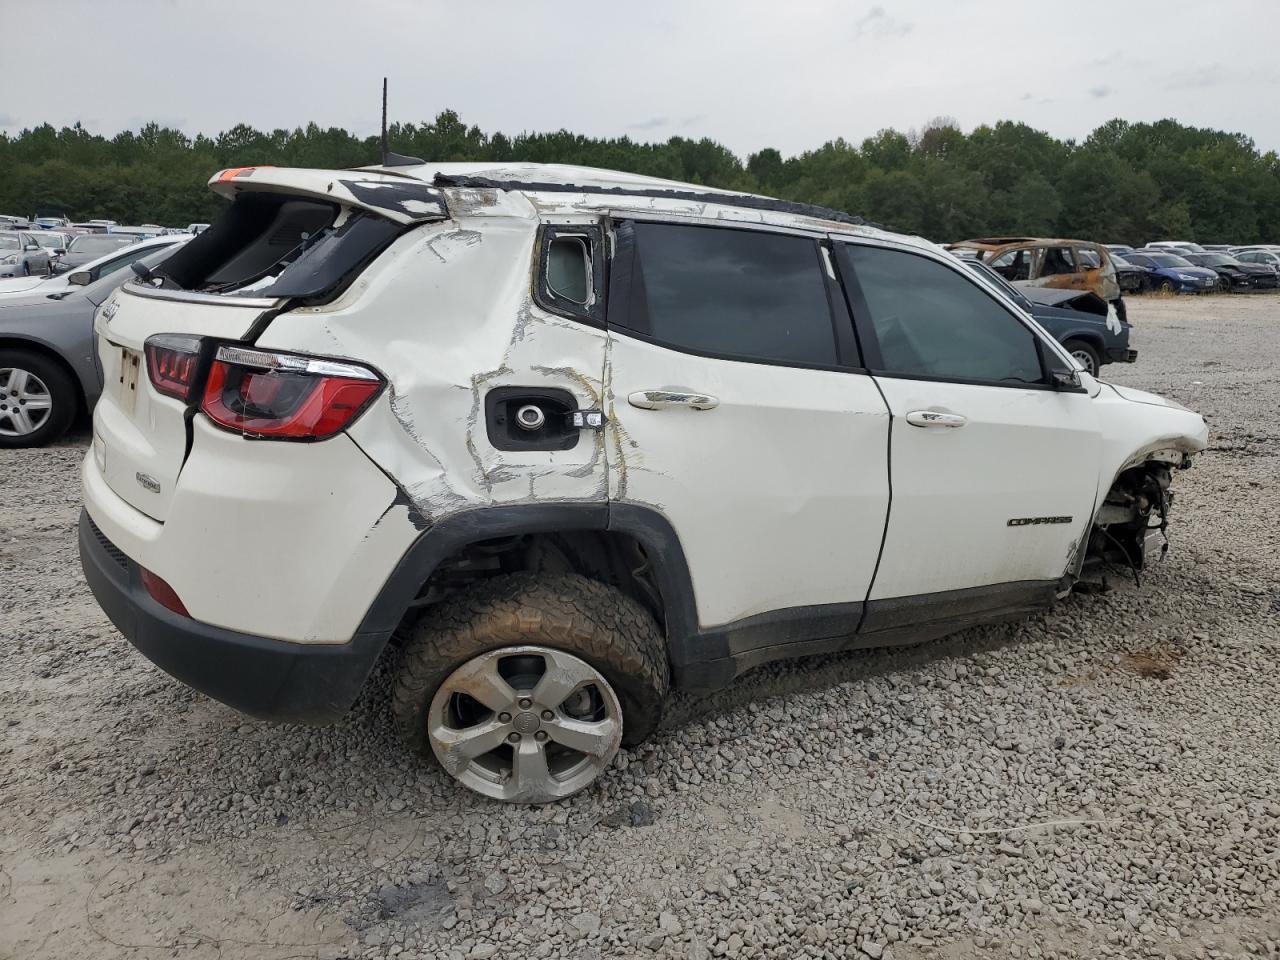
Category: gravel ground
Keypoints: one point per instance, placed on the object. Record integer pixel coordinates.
(1099, 781)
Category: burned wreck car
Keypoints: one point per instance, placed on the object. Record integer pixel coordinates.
(1078, 319)
(1058, 264)
(575, 439)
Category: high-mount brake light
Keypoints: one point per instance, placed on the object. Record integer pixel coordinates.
(235, 173)
(173, 363)
(279, 396)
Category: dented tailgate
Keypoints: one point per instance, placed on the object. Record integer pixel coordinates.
(140, 435)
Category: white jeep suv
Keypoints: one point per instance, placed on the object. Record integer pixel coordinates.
(576, 438)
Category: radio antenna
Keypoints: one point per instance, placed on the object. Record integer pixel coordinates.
(384, 121)
(390, 159)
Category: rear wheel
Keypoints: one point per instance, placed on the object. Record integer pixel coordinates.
(37, 399)
(524, 687)
(1087, 354)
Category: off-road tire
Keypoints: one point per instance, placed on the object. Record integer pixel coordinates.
(64, 397)
(589, 619)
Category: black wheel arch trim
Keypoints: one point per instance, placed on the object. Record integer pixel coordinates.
(647, 525)
(704, 658)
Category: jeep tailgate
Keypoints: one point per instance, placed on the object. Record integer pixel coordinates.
(140, 436)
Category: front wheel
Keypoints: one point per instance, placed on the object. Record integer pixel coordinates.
(37, 399)
(1165, 286)
(1087, 354)
(523, 687)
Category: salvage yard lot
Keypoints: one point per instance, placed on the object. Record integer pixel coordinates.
(1103, 780)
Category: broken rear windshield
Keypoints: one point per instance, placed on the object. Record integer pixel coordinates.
(274, 245)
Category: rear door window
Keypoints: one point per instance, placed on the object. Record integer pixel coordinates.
(932, 322)
(1014, 264)
(721, 292)
(126, 258)
(1058, 260)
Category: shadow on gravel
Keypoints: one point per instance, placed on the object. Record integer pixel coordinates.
(823, 671)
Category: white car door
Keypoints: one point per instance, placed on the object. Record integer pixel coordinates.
(994, 467)
(737, 408)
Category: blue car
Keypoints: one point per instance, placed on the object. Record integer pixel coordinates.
(1089, 327)
(1170, 273)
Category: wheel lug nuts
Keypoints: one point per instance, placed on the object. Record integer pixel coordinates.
(525, 703)
(504, 718)
(513, 737)
(548, 715)
(540, 735)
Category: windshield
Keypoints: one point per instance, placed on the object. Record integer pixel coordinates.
(1216, 260)
(98, 244)
(1168, 260)
(9, 243)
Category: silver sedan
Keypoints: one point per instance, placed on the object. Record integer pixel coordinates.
(21, 256)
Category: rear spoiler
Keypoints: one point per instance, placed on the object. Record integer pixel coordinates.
(400, 199)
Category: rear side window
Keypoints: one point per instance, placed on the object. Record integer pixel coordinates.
(930, 321)
(1057, 260)
(569, 269)
(272, 245)
(570, 278)
(738, 294)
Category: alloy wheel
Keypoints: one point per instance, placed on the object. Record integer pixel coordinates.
(526, 724)
(25, 402)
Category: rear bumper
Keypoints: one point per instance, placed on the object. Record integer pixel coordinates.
(265, 678)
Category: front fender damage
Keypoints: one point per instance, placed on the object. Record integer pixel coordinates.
(1146, 439)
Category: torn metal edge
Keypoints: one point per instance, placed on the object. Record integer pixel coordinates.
(747, 201)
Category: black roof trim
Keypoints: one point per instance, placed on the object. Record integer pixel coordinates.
(746, 200)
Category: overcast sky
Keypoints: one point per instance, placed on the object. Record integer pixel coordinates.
(750, 74)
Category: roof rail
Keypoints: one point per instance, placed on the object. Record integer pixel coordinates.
(748, 200)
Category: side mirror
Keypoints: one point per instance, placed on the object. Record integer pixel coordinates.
(81, 278)
(1067, 381)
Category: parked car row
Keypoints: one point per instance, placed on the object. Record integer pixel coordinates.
(51, 246)
(1180, 266)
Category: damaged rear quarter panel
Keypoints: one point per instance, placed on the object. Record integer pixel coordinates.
(446, 315)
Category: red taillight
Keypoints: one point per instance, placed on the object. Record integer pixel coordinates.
(173, 361)
(280, 396)
(162, 593)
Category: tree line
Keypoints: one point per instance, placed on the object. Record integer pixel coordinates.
(1126, 182)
